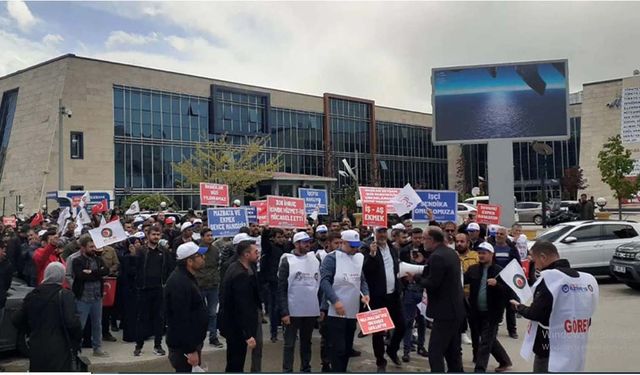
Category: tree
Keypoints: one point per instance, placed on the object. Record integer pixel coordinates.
(461, 181)
(615, 164)
(239, 166)
(147, 201)
(572, 181)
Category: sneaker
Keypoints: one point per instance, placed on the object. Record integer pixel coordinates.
(355, 353)
(405, 358)
(513, 335)
(326, 368)
(159, 351)
(108, 337)
(114, 327)
(503, 368)
(215, 342)
(100, 353)
(382, 368)
(137, 352)
(274, 338)
(423, 352)
(466, 340)
(394, 358)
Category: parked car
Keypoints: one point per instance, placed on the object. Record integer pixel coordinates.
(484, 199)
(564, 205)
(625, 264)
(530, 212)
(590, 245)
(464, 209)
(10, 338)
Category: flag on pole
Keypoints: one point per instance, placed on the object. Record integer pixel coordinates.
(37, 219)
(108, 234)
(406, 200)
(103, 222)
(513, 275)
(133, 209)
(84, 201)
(315, 213)
(101, 207)
(62, 218)
(83, 218)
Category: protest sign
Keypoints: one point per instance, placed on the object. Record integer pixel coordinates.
(108, 234)
(226, 222)
(374, 214)
(315, 198)
(252, 214)
(374, 321)
(9, 221)
(285, 212)
(214, 194)
(261, 211)
(488, 214)
(379, 195)
(444, 205)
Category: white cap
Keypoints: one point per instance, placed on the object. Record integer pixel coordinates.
(322, 228)
(485, 246)
(188, 249)
(197, 221)
(473, 226)
(352, 237)
(398, 226)
(42, 232)
(241, 237)
(138, 219)
(185, 226)
(301, 236)
(139, 235)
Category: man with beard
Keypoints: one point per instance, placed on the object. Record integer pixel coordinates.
(208, 280)
(273, 246)
(468, 258)
(322, 235)
(475, 235)
(48, 253)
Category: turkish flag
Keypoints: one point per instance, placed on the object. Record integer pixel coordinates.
(100, 207)
(37, 219)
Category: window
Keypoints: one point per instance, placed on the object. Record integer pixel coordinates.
(588, 233)
(7, 111)
(618, 231)
(77, 145)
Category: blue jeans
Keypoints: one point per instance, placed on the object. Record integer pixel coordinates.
(95, 310)
(211, 297)
(409, 302)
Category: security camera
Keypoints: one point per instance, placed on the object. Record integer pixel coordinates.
(68, 113)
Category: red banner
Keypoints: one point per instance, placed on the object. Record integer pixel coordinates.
(214, 194)
(379, 195)
(488, 214)
(9, 221)
(285, 212)
(374, 321)
(261, 211)
(374, 214)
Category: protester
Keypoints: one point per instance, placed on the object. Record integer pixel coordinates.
(240, 317)
(468, 258)
(586, 208)
(47, 253)
(111, 261)
(334, 242)
(344, 296)
(6, 275)
(28, 250)
(208, 278)
(48, 315)
(505, 252)
(273, 246)
(13, 249)
(321, 237)
(475, 236)
(561, 315)
(185, 310)
(487, 301)
(298, 285)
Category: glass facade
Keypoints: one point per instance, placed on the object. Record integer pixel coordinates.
(7, 111)
(240, 111)
(527, 165)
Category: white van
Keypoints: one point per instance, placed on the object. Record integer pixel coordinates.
(484, 199)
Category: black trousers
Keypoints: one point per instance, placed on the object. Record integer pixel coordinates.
(444, 343)
(511, 318)
(486, 333)
(325, 347)
(394, 305)
(305, 326)
(150, 308)
(179, 361)
(236, 354)
(108, 315)
(340, 334)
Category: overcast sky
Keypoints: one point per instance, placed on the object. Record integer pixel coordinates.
(374, 50)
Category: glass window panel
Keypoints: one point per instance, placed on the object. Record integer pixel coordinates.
(135, 100)
(118, 98)
(157, 167)
(146, 101)
(136, 166)
(147, 167)
(167, 171)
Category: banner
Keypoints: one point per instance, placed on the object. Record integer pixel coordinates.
(513, 275)
(488, 214)
(374, 321)
(9, 221)
(109, 234)
(315, 198)
(379, 195)
(252, 214)
(285, 212)
(374, 214)
(261, 211)
(406, 200)
(226, 222)
(214, 194)
(444, 205)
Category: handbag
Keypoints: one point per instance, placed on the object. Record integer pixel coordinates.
(75, 361)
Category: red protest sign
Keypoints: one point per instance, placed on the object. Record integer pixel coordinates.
(285, 212)
(374, 321)
(488, 214)
(374, 214)
(214, 194)
(261, 211)
(379, 195)
(9, 221)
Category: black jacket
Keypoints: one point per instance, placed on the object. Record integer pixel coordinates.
(270, 258)
(442, 280)
(6, 275)
(79, 277)
(375, 274)
(405, 253)
(239, 303)
(40, 317)
(185, 311)
(540, 309)
(151, 268)
(497, 296)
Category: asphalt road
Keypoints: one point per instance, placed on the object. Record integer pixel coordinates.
(614, 345)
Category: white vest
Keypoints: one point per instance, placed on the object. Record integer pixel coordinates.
(304, 282)
(346, 283)
(574, 303)
(321, 253)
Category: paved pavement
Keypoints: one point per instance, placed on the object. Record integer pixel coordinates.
(613, 346)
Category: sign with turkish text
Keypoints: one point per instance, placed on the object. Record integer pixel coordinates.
(9, 221)
(214, 194)
(379, 195)
(374, 321)
(444, 205)
(315, 198)
(226, 222)
(285, 212)
(488, 214)
(374, 214)
(261, 211)
(252, 214)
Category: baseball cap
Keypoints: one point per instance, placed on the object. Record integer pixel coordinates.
(188, 249)
(139, 235)
(351, 237)
(322, 229)
(379, 228)
(398, 226)
(169, 220)
(473, 227)
(197, 221)
(485, 246)
(185, 226)
(138, 219)
(241, 237)
(301, 236)
(42, 232)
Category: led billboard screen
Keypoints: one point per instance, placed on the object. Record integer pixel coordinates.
(519, 101)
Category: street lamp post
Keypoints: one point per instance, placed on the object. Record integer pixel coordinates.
(544, 150)
(62, 111)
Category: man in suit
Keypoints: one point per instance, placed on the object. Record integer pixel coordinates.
(442, 280)
(380, 270)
